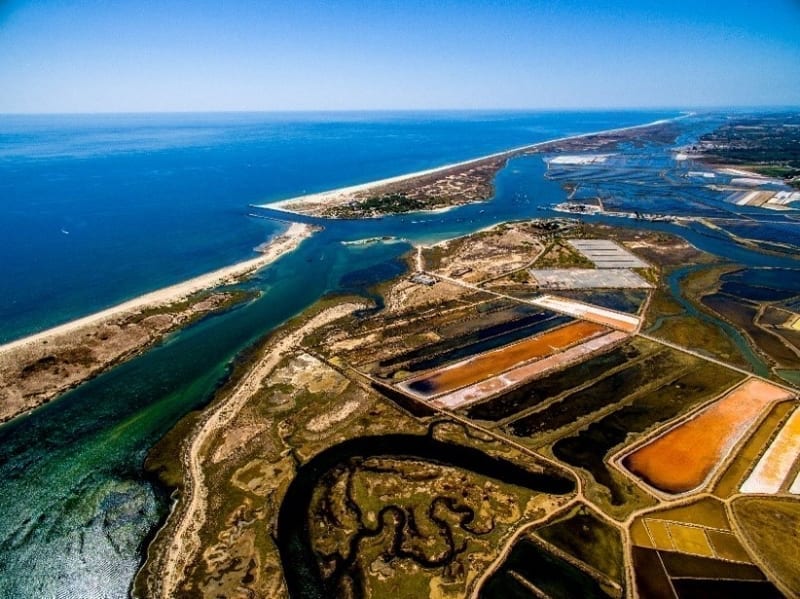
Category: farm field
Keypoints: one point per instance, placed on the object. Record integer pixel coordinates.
(570, 378)
(773, 469)
(693, 550)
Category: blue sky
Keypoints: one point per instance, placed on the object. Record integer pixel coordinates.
(142, 55)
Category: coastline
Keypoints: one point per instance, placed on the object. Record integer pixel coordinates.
(40, 367)
(161, 572)
(338, 194)
(280, 245)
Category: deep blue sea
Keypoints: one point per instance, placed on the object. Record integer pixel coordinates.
(97, 209)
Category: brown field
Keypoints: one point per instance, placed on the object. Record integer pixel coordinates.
(762, 520)
(690, 539)
(693, 541)
(726, 546)
(707, 512)
(497, 361)
(684, 458)
(489, 387)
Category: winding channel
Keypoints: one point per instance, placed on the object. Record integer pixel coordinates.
(674, 280)
(300, 567)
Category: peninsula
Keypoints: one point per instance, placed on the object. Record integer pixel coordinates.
(450, 185)
(37, 368)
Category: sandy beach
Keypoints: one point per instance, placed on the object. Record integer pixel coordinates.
(335, 195)
(282, 244)
(40, 367)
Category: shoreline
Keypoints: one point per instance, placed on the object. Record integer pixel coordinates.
(339, 193)
(188, 512)
(279, 245)
(39, 368)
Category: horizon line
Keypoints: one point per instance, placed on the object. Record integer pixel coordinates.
(704, 108)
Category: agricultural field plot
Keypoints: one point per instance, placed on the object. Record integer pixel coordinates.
(616, 320)
(692, 551)
(780, 236)
(541, 390)
(762, 521)
(578, 408)
(605, 253)
(447, 349)
(745, 315)
(630, 301)
(739, 466)
(758, 301)
(591, 540)
(568, 378)
(772, 472)
(424, 315)
(361, 497)
(588, 449)
(689, 453)
(561, 255)
(773, 200)
(533, 569)
(782, 322)
(582, 413)
(587, 278)
(519, 374)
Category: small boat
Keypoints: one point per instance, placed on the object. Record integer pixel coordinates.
(65, 232)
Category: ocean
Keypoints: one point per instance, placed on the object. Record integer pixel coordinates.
(97, 209)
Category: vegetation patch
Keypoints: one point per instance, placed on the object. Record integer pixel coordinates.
(590, 539)
(762, 521)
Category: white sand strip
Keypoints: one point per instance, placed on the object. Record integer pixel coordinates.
(285, 205)
(795, 488)
(776, 462)
(740, 172)
(588, 312)
(280, 245)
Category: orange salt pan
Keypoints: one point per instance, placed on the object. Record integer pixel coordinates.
(685, 457)
(492, 363)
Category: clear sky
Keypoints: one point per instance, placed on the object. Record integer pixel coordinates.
(168, 55)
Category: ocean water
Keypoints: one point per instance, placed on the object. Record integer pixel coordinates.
(77, 462)
(97, 209)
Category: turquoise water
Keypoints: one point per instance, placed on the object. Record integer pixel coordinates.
(74, 510)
